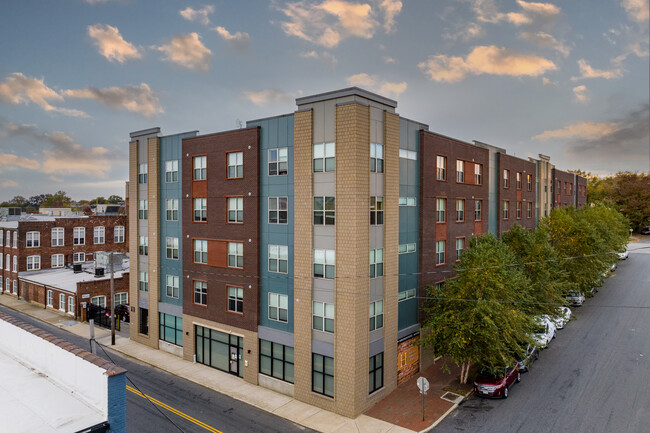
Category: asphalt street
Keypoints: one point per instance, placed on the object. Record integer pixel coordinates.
(594, 377)
(193, 403)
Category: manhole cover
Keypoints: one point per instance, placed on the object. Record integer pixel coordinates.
(69, 322)
(452, 397)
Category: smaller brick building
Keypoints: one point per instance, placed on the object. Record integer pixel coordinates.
(515, 193)
(564, 193)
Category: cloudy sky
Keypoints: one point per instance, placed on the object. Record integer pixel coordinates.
(568, 79)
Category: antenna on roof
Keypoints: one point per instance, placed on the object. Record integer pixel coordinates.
(239, 124)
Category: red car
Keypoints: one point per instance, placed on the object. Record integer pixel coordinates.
(495, 382)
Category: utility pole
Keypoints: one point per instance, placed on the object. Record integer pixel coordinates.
(110, 259)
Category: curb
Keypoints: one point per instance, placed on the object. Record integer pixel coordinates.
(444, 415)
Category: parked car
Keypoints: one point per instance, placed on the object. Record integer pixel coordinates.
(562, 318)
(576, 299)
(495, 382)
(645, 230)
(123, 312)
(545, 332)
(623, 255)
(530, 355)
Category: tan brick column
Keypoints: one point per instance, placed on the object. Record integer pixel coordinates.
(133, 238)
(153, 189)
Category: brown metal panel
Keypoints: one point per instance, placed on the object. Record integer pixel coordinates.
(218, 253)
(478, 228)
(441, 231)
(469, 173)
(199, 188)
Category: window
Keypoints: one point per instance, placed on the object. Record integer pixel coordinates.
(2, 237)
(278, 210)
(406, 248)
(407, 201)
(518, 180)
(33, 239)
(376, 263)
(236, 300)
(529, 205)
(1, 266)
(441, 167)
(376, 373)
(478, 205)
(518, 210)
(121, 298)
(278, 307)
(460, 246)
(8, 238)
(14, 267)
(200, 167)
(171, 207)
(200, 209)
(118, 234)
(440, 253)
(376, 158)
(8, 262)
(460, 210)
(143, 281)
(276, 360)
(15, 287)
(529, 182)
(377, 315)
(171, 171)
(506, 206)
(33, 263)
(235, 255)
(478, 174)
(376, 210)
(506, 178)
(324, 157)
(71, 305)
(171, 329)
(57, 236)
(15, 242)
(278, 161)
(79, 236)
(322, 374)
(278, 258)
(441, 204)
(143, 209)
(142, 173)
(57, 260)
(408, 154)
(172, 286)
(235, 209)
(407, 294)
(323, 316)
(78, 257)
(235, 165)
(460, 171)
(61, 302)
(1, 285)
(98, 300)
(50, 298)
(200, 251)
(143, 246)
(324, 263)
(201, 292)
(324, 211)
(99, 235)
(172, 248)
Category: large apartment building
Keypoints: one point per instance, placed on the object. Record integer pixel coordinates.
(293, 252)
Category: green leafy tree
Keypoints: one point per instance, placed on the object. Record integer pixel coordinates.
(478, 316)
(632, 197)
(58, 199)
(115, 199)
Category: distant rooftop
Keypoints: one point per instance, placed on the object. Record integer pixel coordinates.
(65, 278)
(350, 91)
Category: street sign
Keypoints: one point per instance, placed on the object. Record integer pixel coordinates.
(423, 385)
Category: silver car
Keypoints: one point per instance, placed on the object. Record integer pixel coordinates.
(575, 298)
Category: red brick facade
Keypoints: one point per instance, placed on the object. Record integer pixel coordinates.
(515, 193)
(581, 191)
(563, 188)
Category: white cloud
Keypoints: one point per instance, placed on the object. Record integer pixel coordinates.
(586, 130)
(110, 44)
(389, 60)
(580, 94)
(94, 2)
(391, 9)
(586, 71)
(20, 89)
(8, 183)
(200, 15)
(465, 32)
(328, 59)
(545, 40)
(637, 10)
(487, 11)
(238, 40)
(9, 161)
(373, 83)
(544, 9)
(547, 82)
(263, 97)
(187, 51)
(485, 60)
(138, 99)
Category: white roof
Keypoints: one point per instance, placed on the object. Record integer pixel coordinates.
(9, 225)
(65, 279)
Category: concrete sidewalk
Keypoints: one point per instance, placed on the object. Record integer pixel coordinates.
(400, 412)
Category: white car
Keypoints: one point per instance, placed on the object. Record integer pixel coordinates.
(562, 318)
(575, 298)
(623, 255)
(545, 332)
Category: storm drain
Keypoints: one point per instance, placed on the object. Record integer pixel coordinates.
(452, 397)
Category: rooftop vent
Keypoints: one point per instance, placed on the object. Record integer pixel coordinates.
(99, 272)
(76, 268)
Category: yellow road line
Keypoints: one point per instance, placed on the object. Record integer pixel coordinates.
(172, 410)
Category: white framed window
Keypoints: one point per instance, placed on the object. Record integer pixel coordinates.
(376, 263)
(8, 285)
(79, 236)
(518, 180)
(171, 171)
(99, 235)
(324, 264)
(376, 158)
(278, 307)
(324, 157)
(235, 165)
(323, 316)
(441, 210)
(235, 255)
(407, 201)
(235, 299)
(172, 248)
(440, 253)
(200, 209)
(324, 211)
(478, 174)
(506, 178)
(1, 284)
(14, 268)
(200, 167)
(171, 209)
(460, 171)
(278, 210)
(50, 298)
(377, 315)
(61, 302)
(2, 237)
(118, 234)
(58, 260)
(460, 210)
(408, 154)
(279, 258)
(376, 210)
(200, 251)
(15, 288)
(460, 246)
(529, 209)
(58, 234)
(15, 242)
(529, 182)
(406, 294)
(142, 172)
(71, 305)
(78, 257)
(33, 239)
(33, 263)
(98, 300)
(518, 210)
(143, 281)
(8, 243)
(172, 286)
(201, 292)
(143, 209)
(441, 167)
(278, 161)
(1, 260)
(478, 204)
(8, 262)
(121, 298)
(506, 209)
(235, 210)
(143, 245)
(406, 248)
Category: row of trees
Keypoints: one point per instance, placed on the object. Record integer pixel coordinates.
(56, 200)
(487, 313)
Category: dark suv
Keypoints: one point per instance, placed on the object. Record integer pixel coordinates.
(122, 311)
(495, 382)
